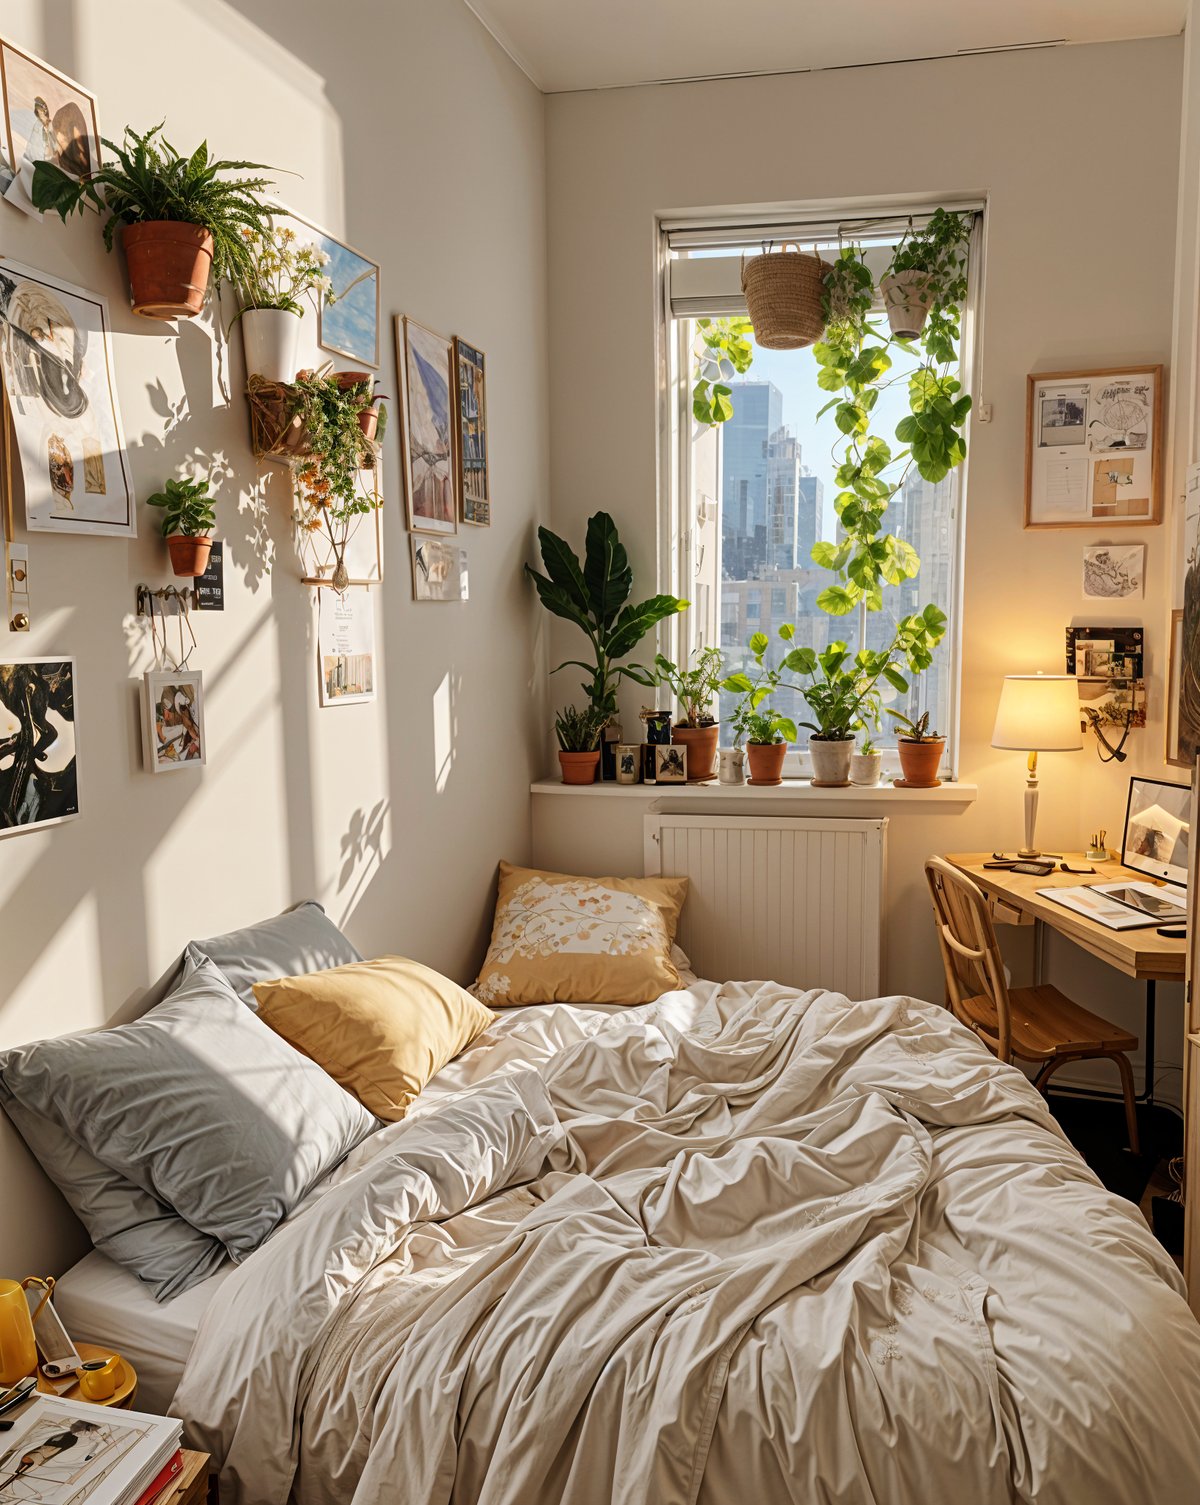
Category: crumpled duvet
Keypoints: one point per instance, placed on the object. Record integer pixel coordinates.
(743, 1244)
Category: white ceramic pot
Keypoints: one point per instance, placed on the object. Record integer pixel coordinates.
(907, 300)
(270, 338)
(731, 765)
(831, 761)
(865, 768)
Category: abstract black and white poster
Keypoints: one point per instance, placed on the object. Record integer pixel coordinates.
(39, 776)
(57, 367)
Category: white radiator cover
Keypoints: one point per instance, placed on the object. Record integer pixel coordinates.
(775, 899)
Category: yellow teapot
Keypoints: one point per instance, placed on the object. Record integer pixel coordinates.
(18, 1351)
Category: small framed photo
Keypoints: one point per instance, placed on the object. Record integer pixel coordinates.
(1093, 448)
(426, 365)
(474, 497)
(439, 570)
(47, 117)
(173, 720)
(629, 763)
(39, 773)
(670, 764)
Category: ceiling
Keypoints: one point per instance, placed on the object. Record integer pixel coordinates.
(602, 44)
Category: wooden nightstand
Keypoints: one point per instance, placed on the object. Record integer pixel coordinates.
(192, 1486)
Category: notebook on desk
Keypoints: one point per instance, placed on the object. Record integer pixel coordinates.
(1124, 906)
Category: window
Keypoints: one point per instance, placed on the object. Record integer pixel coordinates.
(768, 488)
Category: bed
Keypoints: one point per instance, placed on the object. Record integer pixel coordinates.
(743, 1242)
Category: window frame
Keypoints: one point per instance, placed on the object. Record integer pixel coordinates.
(676, 534)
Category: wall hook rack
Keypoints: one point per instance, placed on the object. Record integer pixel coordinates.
(166, 594)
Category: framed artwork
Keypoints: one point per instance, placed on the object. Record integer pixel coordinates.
(47, 117)
(1187, 703)
(1093, 448)
(425, 363)
(61, 394)
(670, 764)
(439, 570)
(1108, 664)
(474, 499)
(1114, 571)
(346, 647)
(1173, 756)
(348, 318)
(39, 769)
(173, 720)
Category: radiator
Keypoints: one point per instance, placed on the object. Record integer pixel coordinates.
(785, 900)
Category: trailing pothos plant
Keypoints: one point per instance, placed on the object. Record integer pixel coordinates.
(595, 595)
(724, 349)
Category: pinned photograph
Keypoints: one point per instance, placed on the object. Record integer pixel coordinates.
(47, 117)
(1114, 572)
(439, 570)
(1064, 419)
(39, 776)
(173, 720)
(56, 355)
(425, 361)
(670, 765)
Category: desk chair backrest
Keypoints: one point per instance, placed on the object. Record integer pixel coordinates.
(970, 953)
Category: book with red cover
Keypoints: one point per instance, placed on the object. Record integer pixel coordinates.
(172, 1470)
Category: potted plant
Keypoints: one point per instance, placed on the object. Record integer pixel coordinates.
(578, 734)
(767, 736)
(181, 217)
(594, 595)
(280, 274)
(866, 764)
(695, 689)
(188, 518)
(920, 752)
(330, 488)
(927, 267)
(372, 419)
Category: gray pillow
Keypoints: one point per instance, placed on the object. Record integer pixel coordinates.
(301, 940)
(123, 1221)
(199, 1104)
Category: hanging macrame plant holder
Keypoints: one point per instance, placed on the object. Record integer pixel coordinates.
(785, 297)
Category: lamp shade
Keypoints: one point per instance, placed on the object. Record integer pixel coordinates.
(1038, 713)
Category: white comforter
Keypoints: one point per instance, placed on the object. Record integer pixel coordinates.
(742, 1245)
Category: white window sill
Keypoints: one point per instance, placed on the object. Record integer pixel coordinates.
(791, 791)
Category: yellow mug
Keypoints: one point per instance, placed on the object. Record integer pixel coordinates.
(98, 1378)
(18, 1352)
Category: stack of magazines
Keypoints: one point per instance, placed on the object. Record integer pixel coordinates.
(62, 1452)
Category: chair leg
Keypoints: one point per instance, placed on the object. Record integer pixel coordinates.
(1127, 1092)
(1049, 1069)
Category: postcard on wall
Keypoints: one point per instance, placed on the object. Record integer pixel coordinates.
(425, 363)
(1114, 572)
(346, 646)
(39, 775)
(46, 117)
(474, 495)
(173, 735)
(1094, 448)
(439, 570)
(56, 354)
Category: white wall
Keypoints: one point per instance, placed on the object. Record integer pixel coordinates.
(415, 137)
(1077, 149)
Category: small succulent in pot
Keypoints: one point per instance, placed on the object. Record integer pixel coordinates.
(920, 751)
(188, 519)
(578, 733)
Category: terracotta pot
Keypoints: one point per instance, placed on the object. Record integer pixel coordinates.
(831, 761)
(865, 768)
(919, 762)
(368, 421)
(766, 761)
(907, 300)
(348, 379)
(701, 743)
(189, 556)
(579, 767)
(169, 265)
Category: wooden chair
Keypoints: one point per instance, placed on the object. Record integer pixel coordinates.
(1018, 1024)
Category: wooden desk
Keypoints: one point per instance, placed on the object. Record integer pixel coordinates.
(1142, 954)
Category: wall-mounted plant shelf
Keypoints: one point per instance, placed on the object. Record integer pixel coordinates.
(276, 429)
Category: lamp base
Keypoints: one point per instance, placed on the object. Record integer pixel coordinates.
(1025, 853)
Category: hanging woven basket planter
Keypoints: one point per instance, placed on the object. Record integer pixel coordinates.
(785, 297)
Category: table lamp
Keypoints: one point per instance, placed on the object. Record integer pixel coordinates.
(1037, 713)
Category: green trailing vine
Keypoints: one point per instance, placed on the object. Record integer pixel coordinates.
(724, 349)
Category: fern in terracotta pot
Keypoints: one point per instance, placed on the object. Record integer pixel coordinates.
(188, 519)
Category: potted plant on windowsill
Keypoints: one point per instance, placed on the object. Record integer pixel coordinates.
(866, 765)
(188, 519)
(270, 290)
(920, 752)
(767, 736)
(695, 689)
(181, 218)
(578, 734)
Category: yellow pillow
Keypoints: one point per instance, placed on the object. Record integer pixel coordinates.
(380, 1029)
(558, 939)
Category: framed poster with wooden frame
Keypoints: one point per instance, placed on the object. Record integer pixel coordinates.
(425, 363)
(348, 324)
(1094, 448)
(473, 472)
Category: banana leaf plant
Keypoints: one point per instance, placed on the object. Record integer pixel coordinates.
(594, 594)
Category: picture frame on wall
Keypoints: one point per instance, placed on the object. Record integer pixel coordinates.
(439, 570)
(473, 470)
(348, 319)
(425, 362)
(1093, 448)
(45, 117)
(1174, 755)
(60, 394)
(173, 735)
(39, 772)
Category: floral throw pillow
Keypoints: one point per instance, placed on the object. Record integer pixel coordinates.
(559, 939)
